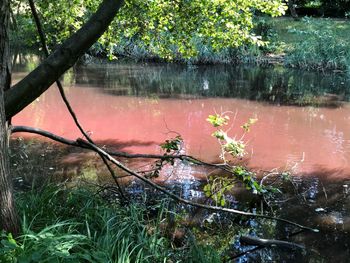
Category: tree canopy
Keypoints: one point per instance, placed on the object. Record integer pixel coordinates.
(166, 28)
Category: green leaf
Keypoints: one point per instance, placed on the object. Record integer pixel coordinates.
(222, 202)
(217, 120)
(220, 135)
(247, 125)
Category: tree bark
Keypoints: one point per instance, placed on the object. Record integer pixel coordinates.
(40, 79)
(8, 217)
(24, 92)
(291, 6)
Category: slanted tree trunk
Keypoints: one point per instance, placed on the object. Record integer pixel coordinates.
(8, 217)
(64, 57)
(23, 93)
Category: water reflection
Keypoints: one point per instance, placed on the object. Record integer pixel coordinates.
(132, 107)
(154, 99)
(274, 85)
(314, 200)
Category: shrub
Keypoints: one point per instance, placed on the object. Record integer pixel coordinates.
(320, 49)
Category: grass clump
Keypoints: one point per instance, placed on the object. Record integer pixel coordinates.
(62, 224)
(320, 49)
(314, 43)
(73, 225)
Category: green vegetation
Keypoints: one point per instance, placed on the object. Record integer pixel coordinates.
(170, 30)
(310, 43)
(313, 42)
(218, 186)
(200, 32)
(74, 226)
(78, 225)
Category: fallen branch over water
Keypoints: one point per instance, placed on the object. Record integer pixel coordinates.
(87, 145)
(185, 201)
(261, 243)
(52, 136)
(256, 241)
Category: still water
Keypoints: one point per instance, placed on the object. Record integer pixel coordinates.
(303, 118)
(303, 127)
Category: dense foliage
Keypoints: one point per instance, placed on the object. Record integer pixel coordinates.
(167, 29)
(78, 225)
(332, 8)
(320, 49)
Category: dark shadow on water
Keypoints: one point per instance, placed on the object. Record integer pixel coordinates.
(317, 200)
(35, 161)
(320, 199)
(121, 145)
(274, 85)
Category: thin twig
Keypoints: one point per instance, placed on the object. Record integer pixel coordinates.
(87, 145)
(63, 95)
(183, 157)
(245, 253)
(182, 200)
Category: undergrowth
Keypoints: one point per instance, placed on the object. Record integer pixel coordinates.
(321, 44)
(76, 225)
(320, 47)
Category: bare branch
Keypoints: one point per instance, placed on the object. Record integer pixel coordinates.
(87, 145)
(54, 137)
(40, 79)
(191, 159)
(256, 241)
(64, 97)
(182, 200)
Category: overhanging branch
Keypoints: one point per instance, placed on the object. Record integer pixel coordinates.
(63, 95)
(40, 79)
(87, 145)
(54, 137)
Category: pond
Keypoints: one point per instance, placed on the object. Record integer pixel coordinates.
(303, 127)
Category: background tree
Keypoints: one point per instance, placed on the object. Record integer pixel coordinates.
(28, 89)
(292, 8)
(168, 29)
(328, 8)
(8, 218)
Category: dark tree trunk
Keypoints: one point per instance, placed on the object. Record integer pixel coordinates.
(64, 57)
(8, 217)
(291, 7)
(24, 92)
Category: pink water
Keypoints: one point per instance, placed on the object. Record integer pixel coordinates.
(312, 142)
(305, 139)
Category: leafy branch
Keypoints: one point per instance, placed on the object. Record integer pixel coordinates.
(217, 186)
